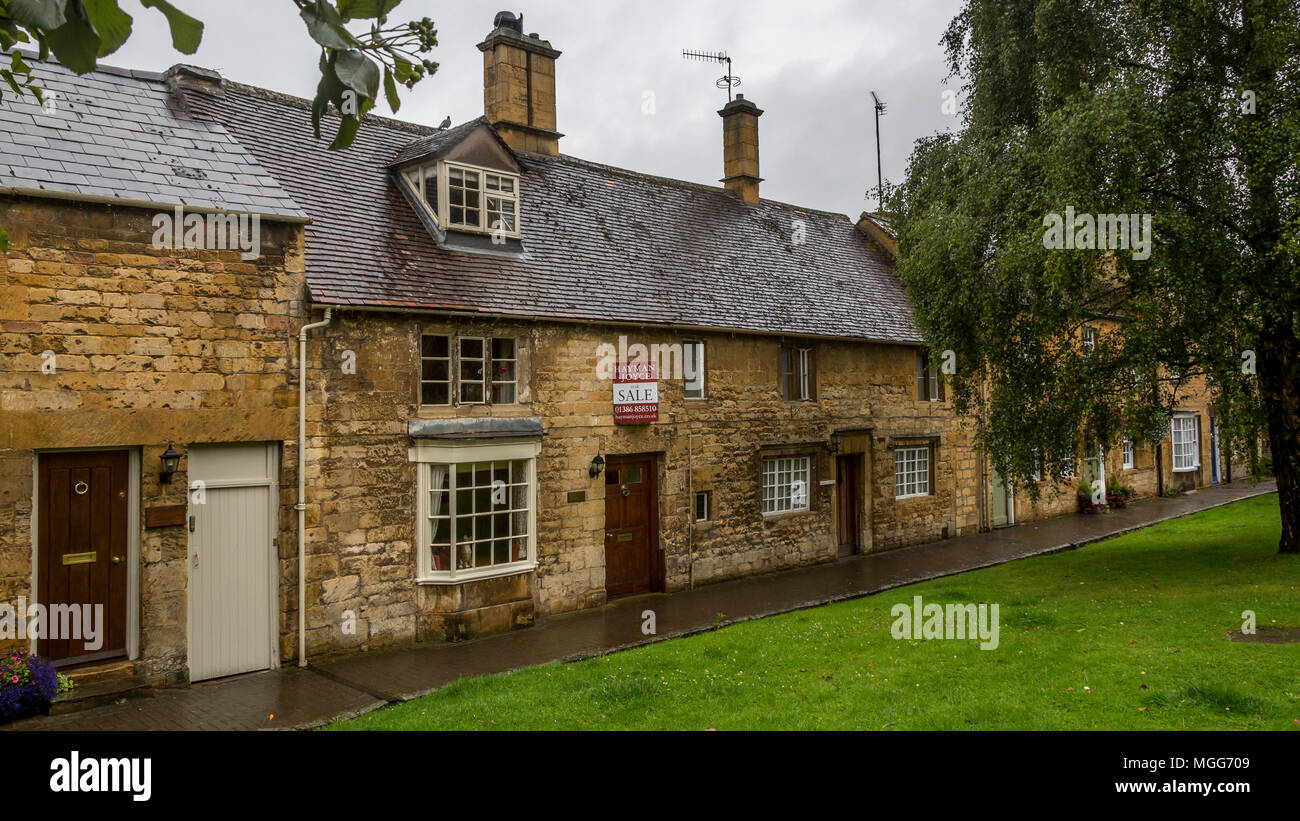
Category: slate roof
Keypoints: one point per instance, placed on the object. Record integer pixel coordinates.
(437, 142)
(600, 243)
(119, 136)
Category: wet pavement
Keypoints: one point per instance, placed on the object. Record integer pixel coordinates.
(300, 698)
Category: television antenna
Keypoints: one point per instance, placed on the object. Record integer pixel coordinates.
(880, 179)
(728, 81)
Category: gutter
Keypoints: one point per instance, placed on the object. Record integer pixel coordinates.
(301, 507)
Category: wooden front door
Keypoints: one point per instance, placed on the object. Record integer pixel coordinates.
(631, 526)
(81, 552)
(846, 504)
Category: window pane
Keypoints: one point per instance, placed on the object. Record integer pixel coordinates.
(435, 394)
(431, 345)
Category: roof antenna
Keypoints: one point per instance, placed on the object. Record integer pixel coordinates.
(728, 80)
(880, 180)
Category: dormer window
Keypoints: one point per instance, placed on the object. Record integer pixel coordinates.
(468, 198)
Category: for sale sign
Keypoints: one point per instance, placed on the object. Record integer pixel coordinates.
(636, 393)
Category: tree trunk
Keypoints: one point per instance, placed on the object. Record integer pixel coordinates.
(1279, 382)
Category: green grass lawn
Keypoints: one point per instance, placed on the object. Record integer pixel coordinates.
(1124, 634)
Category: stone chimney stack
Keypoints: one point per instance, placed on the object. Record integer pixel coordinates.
(519, 86)
(740, 148)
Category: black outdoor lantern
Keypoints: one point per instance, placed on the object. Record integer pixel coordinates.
(170, 461)
(597, 465)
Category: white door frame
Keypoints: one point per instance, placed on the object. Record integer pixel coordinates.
(273, 554)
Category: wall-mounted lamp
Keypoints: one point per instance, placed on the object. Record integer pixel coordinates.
(597, 465)
(171, 460)
(834, 445)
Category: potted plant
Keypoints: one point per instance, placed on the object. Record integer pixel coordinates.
(1084, 497)
(28, 683)
(1118, 494)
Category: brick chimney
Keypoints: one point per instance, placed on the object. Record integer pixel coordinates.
(740, 148)
(519, 86)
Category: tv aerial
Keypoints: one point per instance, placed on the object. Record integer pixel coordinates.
(728, 81)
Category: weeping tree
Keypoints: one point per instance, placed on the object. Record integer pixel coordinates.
(1128, 166)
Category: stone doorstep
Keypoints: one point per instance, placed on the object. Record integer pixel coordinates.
(100, 693)
(98, 685)
(103, 671)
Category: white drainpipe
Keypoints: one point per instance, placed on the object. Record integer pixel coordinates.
(301, 507)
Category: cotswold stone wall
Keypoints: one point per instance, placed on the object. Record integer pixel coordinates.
(361, 485)
(149, 346)
(1057, 499)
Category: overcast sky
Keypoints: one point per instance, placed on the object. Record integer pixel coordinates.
(810, 66)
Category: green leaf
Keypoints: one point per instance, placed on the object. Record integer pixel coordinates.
(358, 72)
(8, 77)
(390, 91)
(326, 27)
(4, 241)
(186, 31)
(365, 9)
(75, 43)
(346, 134)
(111, 23)
(42, 15)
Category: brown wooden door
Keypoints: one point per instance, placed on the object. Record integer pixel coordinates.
(846, 503)
(81, 548)
(631, 526)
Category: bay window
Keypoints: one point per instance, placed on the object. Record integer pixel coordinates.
(476, 509)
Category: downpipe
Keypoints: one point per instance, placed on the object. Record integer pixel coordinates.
(301, 507)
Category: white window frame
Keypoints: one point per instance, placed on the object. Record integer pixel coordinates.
(483, 226)
(706, 496)
(912, 472)
(695, 347)
(427, 454)
(1130, 454)
(1191, 460)
(1088, 338)
(1069, 468)
(779, 489)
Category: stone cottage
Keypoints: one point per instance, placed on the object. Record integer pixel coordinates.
(531, 383)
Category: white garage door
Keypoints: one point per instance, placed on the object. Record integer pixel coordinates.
(232, 566)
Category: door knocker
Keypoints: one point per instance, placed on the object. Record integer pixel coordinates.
(81, 488)
(625, 490)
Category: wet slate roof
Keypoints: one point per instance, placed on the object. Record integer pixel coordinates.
(120, 136)
(600, 243)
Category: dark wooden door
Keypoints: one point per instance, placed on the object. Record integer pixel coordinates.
(81, 548)
(631, 526)
(846, 503)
